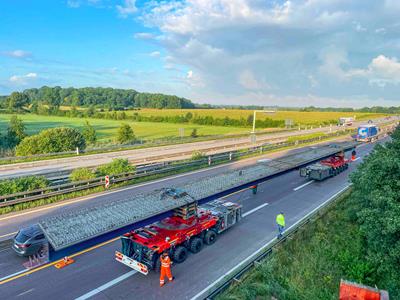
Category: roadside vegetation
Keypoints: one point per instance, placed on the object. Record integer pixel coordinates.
(22, 184)
(357, 240)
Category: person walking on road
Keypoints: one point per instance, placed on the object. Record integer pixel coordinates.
(165, 268)
(280, 221)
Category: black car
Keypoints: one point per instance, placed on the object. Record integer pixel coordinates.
(29, 241)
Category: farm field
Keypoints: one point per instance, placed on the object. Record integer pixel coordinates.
(107, 129)
(303, 118)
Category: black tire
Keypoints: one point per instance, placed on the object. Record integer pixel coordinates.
(180, 254)
(196, 244)
(210, 237)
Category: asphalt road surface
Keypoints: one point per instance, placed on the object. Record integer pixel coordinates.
(179, 151)
(96, 274)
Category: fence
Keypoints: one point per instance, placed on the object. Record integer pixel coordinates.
(176, 166)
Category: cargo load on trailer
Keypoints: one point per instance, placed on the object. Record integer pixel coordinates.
(367, 133)
(188, 229)
(326, 168)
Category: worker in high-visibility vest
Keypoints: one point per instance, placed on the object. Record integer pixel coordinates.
(165, 268)
(280, 221)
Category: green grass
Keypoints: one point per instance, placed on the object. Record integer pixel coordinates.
(311, 264)
(106, 129)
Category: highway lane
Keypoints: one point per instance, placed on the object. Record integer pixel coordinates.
(95, 272)
(40, 167)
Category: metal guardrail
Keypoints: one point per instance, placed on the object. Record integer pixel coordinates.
(234, 276)
(67, 188)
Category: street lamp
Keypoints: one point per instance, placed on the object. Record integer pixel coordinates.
(254, 117)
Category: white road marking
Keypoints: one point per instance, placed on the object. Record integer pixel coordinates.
(254, 210)
(357, 158)
(8, 234)
(107, 285)
(303, 185)
(12, 275)
(201, 295)
(24, 293)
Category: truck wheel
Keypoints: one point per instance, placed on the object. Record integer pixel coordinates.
(210, 237)
(196, 245)
(180, 254)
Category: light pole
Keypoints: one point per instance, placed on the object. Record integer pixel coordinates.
(254, 117)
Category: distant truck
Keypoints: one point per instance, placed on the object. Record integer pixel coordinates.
(188, 229)
(326, 168)
(346, 121)
(367, 133)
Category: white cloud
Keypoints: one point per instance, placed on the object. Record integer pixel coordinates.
(128, 8)
(248, 80)
(18, 53)
(155, 54)
(73, 3)
(381, 71)
(248, 46)
(144, 36)
(23, 79)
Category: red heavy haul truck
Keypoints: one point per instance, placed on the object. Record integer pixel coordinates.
(188, 229)
(326, 168)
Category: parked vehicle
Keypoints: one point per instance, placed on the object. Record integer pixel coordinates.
(326, 168)
(29, 241)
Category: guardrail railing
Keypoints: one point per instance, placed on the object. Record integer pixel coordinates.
(11, 199)
(255, 259)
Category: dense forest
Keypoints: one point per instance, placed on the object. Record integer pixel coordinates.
(108, 98)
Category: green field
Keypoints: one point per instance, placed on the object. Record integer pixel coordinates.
(304, 118)
(106, 129)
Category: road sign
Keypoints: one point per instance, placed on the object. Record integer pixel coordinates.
(107, 181)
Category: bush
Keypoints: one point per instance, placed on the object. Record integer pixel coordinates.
(81, 174)
(194, 133)
(196, 155)
(125, 134)
(50, 141)
(117, 166)
(89, 133)
(22, 184)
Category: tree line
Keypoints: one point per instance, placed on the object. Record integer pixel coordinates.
(107, 98)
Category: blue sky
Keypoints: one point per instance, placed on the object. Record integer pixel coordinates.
(293, 53)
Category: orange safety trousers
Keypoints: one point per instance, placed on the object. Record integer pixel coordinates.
(165, 270)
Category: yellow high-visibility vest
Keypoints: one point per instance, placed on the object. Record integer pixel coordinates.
(280, 220)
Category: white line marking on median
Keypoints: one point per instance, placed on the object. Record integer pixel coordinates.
(12, 275)
(254, 210)
(201, 295)
(303, 185)
(107, 285)
(357, 158)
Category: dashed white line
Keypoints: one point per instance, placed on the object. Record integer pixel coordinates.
(303, 185)
(107, 285)
(254, 210)
(26, 292)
